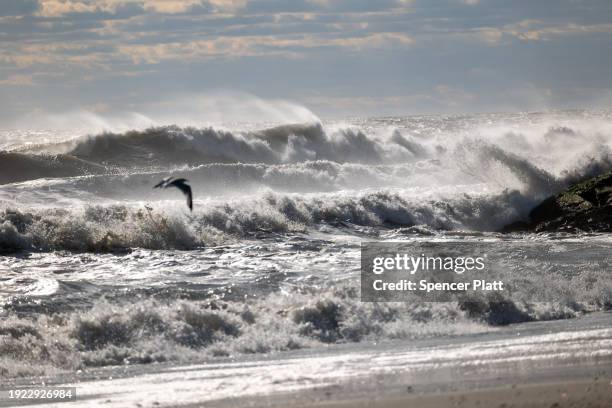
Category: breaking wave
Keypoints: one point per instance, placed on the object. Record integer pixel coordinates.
(283, 179)
(118, 227)
(16, 167)
(173, 145)
(148, 331)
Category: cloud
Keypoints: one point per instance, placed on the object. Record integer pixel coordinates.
(126, 52)
(489, 35)
(59, 8)
(60, 54)
(105, 54)
(325, 6)
(529, 30)
(182, 6)
(232, 47)
(537, 30)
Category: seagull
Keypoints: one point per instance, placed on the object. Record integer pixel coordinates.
(179, 183)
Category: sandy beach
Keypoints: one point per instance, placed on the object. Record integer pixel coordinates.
(593, 392)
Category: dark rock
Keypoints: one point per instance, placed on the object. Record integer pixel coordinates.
(585, 206)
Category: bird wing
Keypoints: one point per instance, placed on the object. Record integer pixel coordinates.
(163, 182)
(186, 189)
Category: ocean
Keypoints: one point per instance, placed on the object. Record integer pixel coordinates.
(98, 269)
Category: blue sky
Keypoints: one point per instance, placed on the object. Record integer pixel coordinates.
(336, 57)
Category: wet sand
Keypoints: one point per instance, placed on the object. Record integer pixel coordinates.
(592, 392)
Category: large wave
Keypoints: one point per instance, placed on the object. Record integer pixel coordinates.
(16, 167)
(173, 145)
(455, 178)
(122, 226)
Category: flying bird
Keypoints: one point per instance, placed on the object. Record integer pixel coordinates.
(179, 183)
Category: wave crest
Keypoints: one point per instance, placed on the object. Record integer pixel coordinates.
(118, 227)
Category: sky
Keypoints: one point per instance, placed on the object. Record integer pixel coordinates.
(335, 58)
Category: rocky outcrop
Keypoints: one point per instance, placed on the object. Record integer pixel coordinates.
(586, 206)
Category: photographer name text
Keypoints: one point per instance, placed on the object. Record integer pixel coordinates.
(413, 264)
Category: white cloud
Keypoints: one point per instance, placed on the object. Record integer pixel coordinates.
(537, 30)
(58, 8)
(256, 45)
